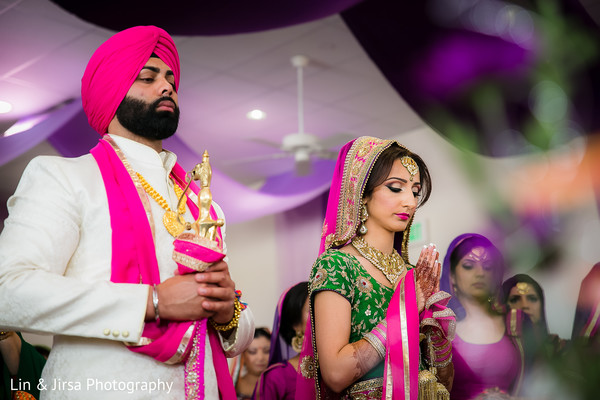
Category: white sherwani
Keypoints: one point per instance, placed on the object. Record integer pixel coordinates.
(55, 265)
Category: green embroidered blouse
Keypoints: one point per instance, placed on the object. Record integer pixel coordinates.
(344, 274)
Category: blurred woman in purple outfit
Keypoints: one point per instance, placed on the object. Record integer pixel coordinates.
(278, 381)
(487, 349)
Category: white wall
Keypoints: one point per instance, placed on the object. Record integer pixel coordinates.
(252, 253)
(263, 263)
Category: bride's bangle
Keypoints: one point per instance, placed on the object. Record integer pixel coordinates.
(378, 338)
(441, 351)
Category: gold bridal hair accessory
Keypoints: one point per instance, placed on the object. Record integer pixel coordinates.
(522, 287)
(410, 165)
(391, 265)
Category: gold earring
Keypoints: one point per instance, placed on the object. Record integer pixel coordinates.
(362, 228)
(297, 341)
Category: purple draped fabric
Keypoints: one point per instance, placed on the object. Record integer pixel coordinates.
(430, 59)
(277, 382)
(428, 63)
(13, 146)
(205, 17)
(434, 54)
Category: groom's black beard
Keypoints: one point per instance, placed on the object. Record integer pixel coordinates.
(142, 118)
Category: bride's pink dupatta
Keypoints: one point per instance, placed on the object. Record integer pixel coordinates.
(134, 261)
(401, 374)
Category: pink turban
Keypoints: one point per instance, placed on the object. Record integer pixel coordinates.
(114, 67)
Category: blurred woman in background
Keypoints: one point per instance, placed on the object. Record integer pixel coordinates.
(278, 381)
(488, 348)
(522, 292)
(20, 367)
(253, 361)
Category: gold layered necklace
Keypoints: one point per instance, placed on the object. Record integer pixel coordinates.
(172, 220)
(391, 265)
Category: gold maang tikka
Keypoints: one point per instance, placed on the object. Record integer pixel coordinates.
(522, 287)
(410, 165)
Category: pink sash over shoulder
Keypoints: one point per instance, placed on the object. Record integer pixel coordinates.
(134, 261)
(401, 374)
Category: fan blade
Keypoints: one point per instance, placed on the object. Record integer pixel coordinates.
(273, 156)
(336, 140)
(266, 142)
(327, 154)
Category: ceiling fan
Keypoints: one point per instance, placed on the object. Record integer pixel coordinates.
(302, 146)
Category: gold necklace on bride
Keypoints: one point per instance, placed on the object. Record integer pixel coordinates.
(172, 220)
(391, 265)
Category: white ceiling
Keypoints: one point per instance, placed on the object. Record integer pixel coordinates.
(46, 49)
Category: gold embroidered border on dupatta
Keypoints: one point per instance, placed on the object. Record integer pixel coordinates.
(357, 169)
(405, 351)
(138, 185)
(365, 390)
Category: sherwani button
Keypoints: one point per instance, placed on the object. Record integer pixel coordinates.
(106, 332)
(116, 333)
(125, 334)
